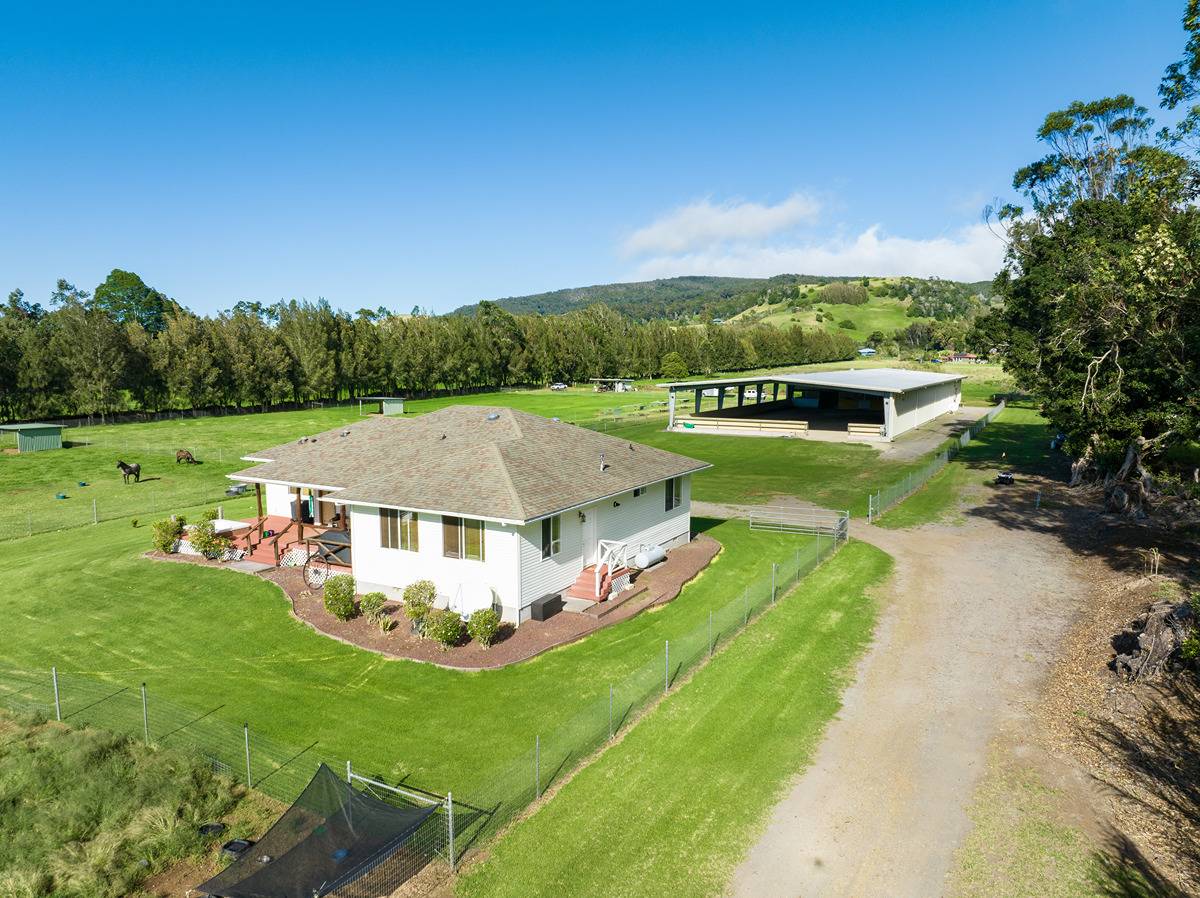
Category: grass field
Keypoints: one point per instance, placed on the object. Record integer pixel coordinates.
(1018, 440)
(671, 808)
(879, 313)
(87, 813)
(217, 640)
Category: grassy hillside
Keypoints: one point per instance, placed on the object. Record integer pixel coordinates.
(700, 298)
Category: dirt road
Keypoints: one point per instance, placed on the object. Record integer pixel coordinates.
(968, 630)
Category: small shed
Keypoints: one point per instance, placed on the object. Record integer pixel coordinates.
(613, 384)
(35, 437)
(388, 405)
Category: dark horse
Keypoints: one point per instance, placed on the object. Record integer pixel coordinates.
(184, 455)
(127, 471)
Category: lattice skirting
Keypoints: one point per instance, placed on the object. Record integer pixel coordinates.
(183, 547)
(296, 556)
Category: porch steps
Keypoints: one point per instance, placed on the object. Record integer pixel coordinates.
(585, 584)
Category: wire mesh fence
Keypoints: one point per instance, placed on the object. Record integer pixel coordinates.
(883, 499)
(468, 820)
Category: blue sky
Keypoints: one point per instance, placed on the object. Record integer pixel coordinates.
(382, 155)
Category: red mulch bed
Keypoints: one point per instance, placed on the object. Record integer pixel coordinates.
(656, 586)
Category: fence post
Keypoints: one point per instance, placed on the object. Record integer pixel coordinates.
(95, 517)
(349, 772)
(666, 666)
(710, 634)
(774, 566)
(249, 777)
(57, 705)
(450, 828)
(29, 521)
(610, 704)
(746, 605)
(145, 716)
(537, 766)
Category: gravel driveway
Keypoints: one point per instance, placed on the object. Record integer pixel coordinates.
(968, 628)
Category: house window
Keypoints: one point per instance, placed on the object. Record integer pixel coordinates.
(674, 493)
(398, 529)
(462, 538)
(551, 536)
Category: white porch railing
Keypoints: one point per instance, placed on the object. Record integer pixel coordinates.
(611, 553)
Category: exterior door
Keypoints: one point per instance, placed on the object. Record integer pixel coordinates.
(591, 524)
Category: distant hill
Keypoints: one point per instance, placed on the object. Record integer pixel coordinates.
(672, 298)
(696, 298)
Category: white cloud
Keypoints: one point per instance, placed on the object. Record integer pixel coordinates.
(703, 224)
(971, 253)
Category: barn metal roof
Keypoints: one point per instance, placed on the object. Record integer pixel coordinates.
(865, 380)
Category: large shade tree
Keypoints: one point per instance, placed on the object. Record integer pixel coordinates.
(1102, 291)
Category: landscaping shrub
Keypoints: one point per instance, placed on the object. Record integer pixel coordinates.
(372, 607)
(444, 626)
(205, 540)
(166, 533)
(418, 600)
(339, 596)
(483, 626)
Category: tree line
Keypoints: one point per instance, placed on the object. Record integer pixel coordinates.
(128, 347)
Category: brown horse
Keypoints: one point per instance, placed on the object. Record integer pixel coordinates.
(184, 455)
(127, 471)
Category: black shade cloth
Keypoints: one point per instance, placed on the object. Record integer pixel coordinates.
(329, 837)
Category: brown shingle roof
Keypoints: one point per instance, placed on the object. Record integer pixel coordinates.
(474, 461)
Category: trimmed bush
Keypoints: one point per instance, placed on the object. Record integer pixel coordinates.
(418, 600)
(483, 626)
(166, 533)
(372, 607)
(445, 627)
(339, 596)
(206, 541)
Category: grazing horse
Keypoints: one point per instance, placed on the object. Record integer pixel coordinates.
(184, 455)
(127, 471)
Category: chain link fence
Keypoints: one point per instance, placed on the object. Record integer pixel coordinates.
(883, 499)
(464, 822)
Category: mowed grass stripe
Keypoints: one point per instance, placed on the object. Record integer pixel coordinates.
(672, 808)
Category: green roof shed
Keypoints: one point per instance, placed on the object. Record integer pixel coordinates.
(35, 437)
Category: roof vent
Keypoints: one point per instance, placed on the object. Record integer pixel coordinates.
(345, 433)
(493, 416)
(556, 419)
(603, 466)
(302, 440)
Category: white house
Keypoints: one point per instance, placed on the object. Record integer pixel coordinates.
(499, 508)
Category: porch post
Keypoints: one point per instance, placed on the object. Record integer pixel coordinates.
(258, 501)
(720, 398)
(775, 391)
(699, 393)
(741, 394)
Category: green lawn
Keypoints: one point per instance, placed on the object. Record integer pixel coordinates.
(218, 640)
(1018, 440)
(672, 807)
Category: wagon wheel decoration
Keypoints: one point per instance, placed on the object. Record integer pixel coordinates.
(316, 570)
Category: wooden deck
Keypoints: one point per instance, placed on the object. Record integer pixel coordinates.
(268, 543)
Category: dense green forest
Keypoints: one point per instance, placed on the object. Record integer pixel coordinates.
(129, 347)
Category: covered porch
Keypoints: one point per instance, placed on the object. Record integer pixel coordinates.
(315, 525)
